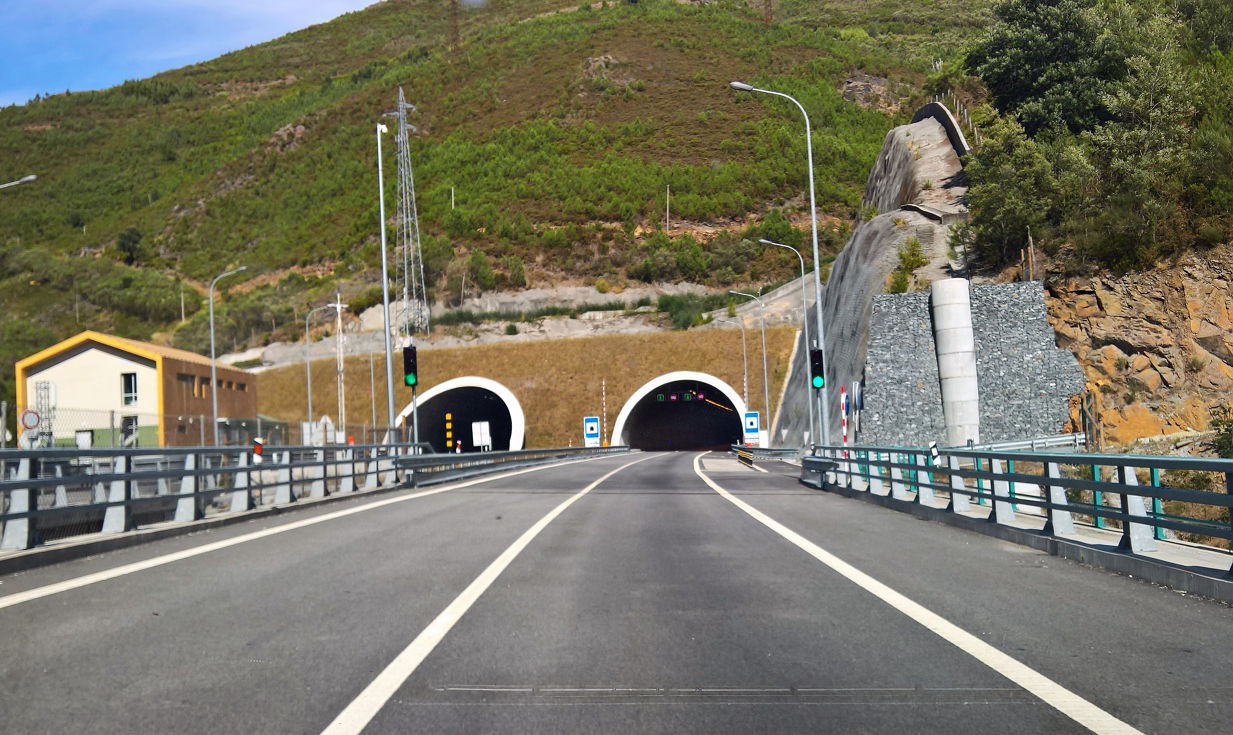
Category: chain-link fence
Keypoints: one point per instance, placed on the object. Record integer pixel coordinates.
(95, 429)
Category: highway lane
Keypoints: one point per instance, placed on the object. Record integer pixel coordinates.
(272, 635)
(1148, 655)
(650, 604)
(660, 607)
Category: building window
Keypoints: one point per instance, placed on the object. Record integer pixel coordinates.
(129, 389)
(242, 387)
(203, 387)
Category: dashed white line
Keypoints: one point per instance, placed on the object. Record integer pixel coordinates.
(1050, 692)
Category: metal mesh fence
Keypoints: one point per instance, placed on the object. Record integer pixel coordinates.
(67, 428)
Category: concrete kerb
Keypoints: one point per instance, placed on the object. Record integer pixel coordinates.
(70, 550)
(1155, 571)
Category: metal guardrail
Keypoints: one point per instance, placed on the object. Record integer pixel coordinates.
(768, 452)
(48, 494)
(1074, 441)
(429, 469)
(1139, 496)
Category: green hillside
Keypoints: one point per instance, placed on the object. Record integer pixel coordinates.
(558, 133)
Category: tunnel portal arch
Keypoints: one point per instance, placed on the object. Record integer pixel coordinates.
(660, 416)
(468, 400)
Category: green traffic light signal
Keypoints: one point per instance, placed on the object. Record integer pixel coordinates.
(410, 367)
(817, 368)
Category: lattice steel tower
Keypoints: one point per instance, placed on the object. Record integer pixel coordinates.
(413, 310)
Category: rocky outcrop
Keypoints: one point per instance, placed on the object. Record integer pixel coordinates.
(1156, 346)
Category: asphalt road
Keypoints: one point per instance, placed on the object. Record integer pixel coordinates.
(650, 602)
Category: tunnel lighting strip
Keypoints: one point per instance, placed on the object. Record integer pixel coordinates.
(365, 707)
(1050, 692)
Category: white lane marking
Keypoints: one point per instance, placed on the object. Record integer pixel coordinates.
(356, 716)
(1050, 692)
(158, 561)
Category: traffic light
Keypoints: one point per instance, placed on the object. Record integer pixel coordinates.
(410, 370)
(817, 368)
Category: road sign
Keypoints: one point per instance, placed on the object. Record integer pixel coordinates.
(590, 431)
(751, 428)
(30, 419)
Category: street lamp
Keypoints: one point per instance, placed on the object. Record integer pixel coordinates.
(744, 359)
(22, 180)
(766, 387)
(213, 365)
(804, 319)
(817, 275)
(308, 373)
(385, 287)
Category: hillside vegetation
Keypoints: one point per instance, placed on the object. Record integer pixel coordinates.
(1108, 132)
(556, 128)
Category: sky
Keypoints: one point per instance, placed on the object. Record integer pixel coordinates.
(49, 46)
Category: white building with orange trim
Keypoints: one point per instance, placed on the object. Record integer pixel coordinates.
(122, 391)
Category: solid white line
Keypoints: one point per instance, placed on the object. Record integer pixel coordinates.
(158, 561)
(356, 716)
(1055, 695)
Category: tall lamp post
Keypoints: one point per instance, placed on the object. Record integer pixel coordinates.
(213, 362)
(308, 372)
(804, 318)
(744, 359)
(22, 180)
(817, 275)
(766, 387)
(385, 288)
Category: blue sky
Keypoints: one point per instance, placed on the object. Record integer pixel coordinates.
(54, 45)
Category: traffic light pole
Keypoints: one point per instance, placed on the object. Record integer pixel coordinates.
(415, 419)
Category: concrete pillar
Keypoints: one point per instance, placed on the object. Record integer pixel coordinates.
(956, 352)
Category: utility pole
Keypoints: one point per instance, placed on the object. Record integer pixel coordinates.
(338, 342)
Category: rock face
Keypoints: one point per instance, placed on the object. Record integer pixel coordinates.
(1156, 346)
(917, 166)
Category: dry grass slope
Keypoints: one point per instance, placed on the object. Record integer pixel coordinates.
(557, 382)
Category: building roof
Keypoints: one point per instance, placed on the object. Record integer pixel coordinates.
(136, 347)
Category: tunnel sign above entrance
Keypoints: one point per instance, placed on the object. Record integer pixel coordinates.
(590, 431)
(751, 428)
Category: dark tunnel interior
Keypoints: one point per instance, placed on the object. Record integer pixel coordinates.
(683, 415)
(449, 418)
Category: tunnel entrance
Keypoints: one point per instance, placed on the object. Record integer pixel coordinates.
(471, 414)
(680, 412)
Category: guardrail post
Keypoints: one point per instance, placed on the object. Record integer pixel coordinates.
(317, 488)
(282, 491)
(241, 496)
(959, 500)
(1003, 512)
(370, 471)
(21, 533)
(1136, 537)
(61, 500)
(346, 472)
(898, 490)
(859, 470)
(1228, 490)
(924, 489)
(1161, 534)
(1059, 521)
(118, 516)
(391, 472)
(875, 474)
(187, 508)
(162, 481)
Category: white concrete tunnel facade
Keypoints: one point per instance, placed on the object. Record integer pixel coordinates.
(619, 428)
(518, 420)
